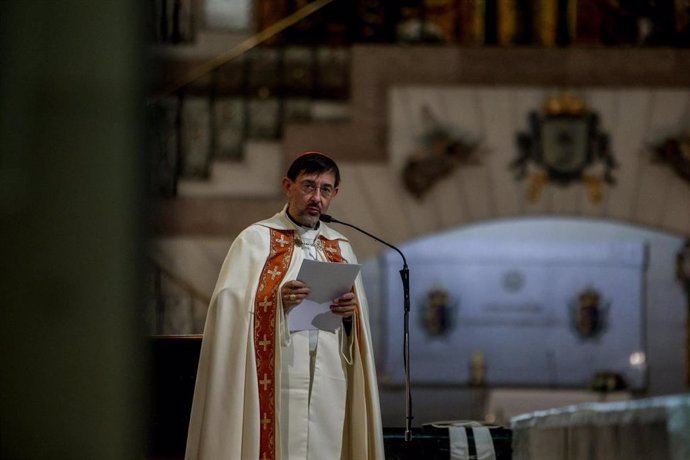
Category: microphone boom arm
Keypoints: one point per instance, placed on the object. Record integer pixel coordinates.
(405, 276)
(327, 218)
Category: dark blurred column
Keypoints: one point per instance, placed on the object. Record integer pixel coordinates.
(70, 226)
(491, 22)
(563, 21)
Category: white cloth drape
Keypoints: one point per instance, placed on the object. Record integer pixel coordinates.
(459, 443)
(653, 428)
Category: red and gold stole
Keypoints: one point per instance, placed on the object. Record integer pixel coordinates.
(333, 254)
(277, 264)
(332, 250)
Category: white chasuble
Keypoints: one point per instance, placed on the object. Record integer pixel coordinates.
(258, 395)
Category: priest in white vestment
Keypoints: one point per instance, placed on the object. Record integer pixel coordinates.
(264, 392)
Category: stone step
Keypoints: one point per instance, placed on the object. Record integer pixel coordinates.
(258, 175)
(327, 110)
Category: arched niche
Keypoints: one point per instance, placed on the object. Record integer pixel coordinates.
(552, 250)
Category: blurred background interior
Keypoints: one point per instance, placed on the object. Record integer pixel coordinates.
(531, 157)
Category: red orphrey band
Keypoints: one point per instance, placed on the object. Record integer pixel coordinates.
(266, 329)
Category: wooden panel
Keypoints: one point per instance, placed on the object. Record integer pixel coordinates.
(548, 197)
(421, 216)
(627, 137)
(382, 190)
(464, 114)
(354, 208)
(676, 216)
(364, 246)
(500, 125)
(653, 191)
(475, 183)
(356, 198)
(449, 201)
(567, 201)
(402, 128)
(666, 115)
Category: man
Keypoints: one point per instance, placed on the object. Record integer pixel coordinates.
(264, 392)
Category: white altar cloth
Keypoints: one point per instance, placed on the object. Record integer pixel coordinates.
(653, 428)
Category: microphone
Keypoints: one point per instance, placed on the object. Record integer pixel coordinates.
(405, 275)
(328, 219)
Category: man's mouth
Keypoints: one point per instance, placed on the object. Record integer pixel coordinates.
(313, 210)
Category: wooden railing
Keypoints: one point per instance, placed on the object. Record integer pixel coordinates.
(167, 288)
(241, 94)
(245, 46)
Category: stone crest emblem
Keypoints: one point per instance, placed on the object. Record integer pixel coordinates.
(437, 316)
(564, 145)
(589, 314)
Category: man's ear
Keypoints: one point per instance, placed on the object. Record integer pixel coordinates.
(287, 183)
(335, 192)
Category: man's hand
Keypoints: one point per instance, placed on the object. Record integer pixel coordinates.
(293, 292)
(344, 305)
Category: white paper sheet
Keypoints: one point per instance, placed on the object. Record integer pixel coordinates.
(326, 282)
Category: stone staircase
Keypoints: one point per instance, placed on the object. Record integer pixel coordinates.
(259, 170)
(221, 135)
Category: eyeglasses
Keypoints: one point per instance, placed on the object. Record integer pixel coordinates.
(309, 187)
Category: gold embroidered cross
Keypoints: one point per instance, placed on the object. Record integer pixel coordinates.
(282, 241)
(275, 272)
(330, 249)
(264, 343)
(265, 303)
(265, 421)
(265, 381)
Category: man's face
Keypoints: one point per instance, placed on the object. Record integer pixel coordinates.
(309, 196)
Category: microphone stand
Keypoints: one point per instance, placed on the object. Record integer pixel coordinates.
(405, 275)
